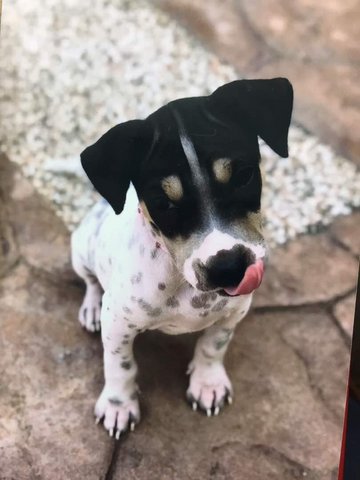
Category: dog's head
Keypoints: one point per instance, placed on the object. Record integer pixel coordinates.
(195, 166)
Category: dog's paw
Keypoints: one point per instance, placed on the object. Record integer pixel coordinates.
(89, 313)
(118, 413)
(209, 388)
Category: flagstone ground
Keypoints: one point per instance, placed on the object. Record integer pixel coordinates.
(289, 357)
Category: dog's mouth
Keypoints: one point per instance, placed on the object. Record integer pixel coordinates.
(251, 281)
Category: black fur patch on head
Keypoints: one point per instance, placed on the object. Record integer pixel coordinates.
(225, 124)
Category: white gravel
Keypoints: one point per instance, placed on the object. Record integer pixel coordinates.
(70, 70)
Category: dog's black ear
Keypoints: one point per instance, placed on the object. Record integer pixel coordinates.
(112, 161)
(263, 105)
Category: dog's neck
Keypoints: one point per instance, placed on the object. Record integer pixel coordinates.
(150, 233)
(155, 242)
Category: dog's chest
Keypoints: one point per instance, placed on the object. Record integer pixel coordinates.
(175, 312)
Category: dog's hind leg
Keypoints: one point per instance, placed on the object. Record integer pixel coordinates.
(89, 313)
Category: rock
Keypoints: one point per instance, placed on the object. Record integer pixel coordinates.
(344, 312)
(310, 269)
(42, 237)
(346, 230)
(51, 374)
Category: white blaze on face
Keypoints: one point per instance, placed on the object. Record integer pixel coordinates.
(215, 241)
(199, 176)
(210, 246)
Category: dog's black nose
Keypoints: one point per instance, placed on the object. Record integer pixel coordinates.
(227, 268)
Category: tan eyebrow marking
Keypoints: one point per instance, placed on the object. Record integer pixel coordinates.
(145, 211)
(172, 187)
(222, 170)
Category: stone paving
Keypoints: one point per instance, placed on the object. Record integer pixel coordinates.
(288, 362)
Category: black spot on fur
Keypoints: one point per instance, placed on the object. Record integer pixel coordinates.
(172, 302)
(222, 340)
(136, 278)
(219, 305)
(126, 365)
(115, 401)
(200, 301)
(161, 286)
(133, 240)
(117, 351)
(127, 310)
(154, 253)
(151, 311)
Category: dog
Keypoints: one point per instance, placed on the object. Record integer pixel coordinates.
(187, 251)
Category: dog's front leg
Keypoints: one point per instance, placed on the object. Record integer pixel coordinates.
(118, 403)
(209, 385)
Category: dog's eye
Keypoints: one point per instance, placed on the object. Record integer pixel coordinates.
(164, 204)
(243, 176)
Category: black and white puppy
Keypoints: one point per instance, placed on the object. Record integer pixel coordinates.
(187, 252)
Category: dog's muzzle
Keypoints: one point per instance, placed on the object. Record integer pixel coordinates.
(235, 271)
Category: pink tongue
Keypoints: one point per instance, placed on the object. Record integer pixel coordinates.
(251, 280)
